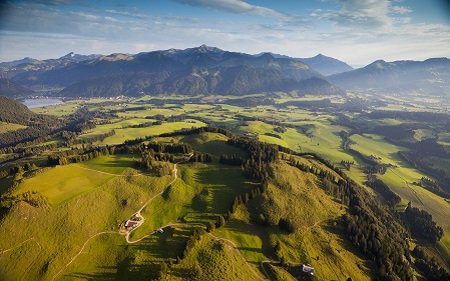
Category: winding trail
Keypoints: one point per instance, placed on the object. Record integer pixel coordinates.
(258, 275)
(17, 246)
(139, 215)
(81, 250)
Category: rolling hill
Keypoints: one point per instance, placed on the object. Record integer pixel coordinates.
(251, 239)
(14, 112)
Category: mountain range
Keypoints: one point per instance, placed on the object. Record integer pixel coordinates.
(208, 70)
(431, 76)
(323, 64)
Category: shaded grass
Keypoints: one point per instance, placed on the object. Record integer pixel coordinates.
(10, 127)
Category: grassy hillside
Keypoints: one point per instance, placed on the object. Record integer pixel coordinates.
(65, 182)
(123, 134)
(77, 236)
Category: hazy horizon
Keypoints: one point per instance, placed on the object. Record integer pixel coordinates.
(356, 32)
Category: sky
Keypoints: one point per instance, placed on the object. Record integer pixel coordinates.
(355, 31)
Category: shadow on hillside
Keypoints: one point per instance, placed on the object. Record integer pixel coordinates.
(92, 276)
(262, 233)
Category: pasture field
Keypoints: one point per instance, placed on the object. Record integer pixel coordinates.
(54, 235)
(122, 135)
(62, 183)
(401, 177)
(212, 143)
(444, 138)
(60, 110)
(10, 127)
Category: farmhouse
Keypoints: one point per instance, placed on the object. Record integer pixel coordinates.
(130, 224)
(308, 269)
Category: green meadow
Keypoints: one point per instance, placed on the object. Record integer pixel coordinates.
(10, 127)
(401, 177)
(61, 183)
(122, 135)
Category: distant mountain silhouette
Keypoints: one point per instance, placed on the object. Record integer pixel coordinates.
(30, 65)
(201, 70)
(323, 64)
(431, 76)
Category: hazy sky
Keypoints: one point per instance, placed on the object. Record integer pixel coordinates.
(356, 31)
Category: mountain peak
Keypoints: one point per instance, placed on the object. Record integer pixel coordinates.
(208, 49)
(68, 56)
(326, 65)
(379, 64)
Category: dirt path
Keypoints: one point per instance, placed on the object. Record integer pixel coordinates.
(264, 269)
(257, 274)
(81, 250)
(138, 213)
(17, 246)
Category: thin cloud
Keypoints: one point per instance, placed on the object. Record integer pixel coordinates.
(400, 10)
(359, 13)
(129, 14)
(238, 7)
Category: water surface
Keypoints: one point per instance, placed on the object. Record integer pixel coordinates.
(33, 103)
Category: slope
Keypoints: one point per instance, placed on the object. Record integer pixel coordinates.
(9, 88)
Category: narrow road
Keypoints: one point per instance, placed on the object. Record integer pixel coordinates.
(138, 213)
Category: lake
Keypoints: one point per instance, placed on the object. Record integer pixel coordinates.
(33, 103)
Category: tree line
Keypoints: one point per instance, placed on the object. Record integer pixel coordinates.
(379, 186)
(421, 225)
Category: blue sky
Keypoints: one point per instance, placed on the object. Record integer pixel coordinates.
(355, 31)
